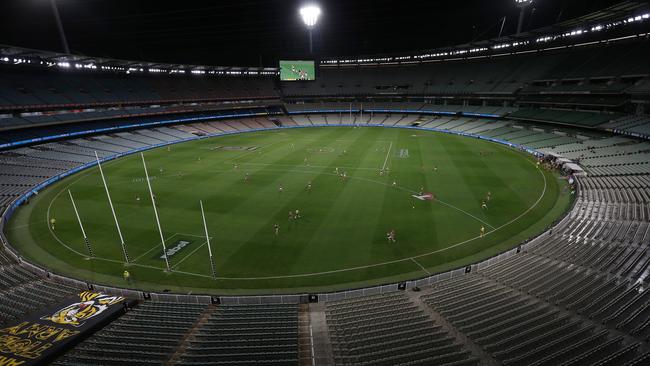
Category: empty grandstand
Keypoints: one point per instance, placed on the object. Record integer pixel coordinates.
(559, 279)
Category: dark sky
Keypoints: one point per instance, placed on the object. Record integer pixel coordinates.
(247, 32)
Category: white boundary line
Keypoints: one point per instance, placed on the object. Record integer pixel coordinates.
(419, 265)
(331, 271)
(463, 211)
(47, 217)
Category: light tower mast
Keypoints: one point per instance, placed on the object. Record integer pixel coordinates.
(310, 14)
(523, 5)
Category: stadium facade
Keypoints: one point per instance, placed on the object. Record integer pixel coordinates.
(577, 93)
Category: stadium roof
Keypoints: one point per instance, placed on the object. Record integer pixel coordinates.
(616, 15)
(610, 14)
(626, 12)
(48, 58)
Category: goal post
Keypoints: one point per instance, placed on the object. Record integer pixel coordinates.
(207, 238)
(81, 226)
(110, 202)
(155, 211)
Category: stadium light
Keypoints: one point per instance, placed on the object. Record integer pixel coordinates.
(522, 4)
(59, 26)
(310, 14)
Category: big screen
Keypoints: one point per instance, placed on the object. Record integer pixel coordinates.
(297, 70)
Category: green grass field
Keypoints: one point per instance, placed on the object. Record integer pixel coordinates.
(340, 240)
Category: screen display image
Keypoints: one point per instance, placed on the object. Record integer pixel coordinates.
(297, 70)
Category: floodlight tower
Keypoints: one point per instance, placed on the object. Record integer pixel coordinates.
(523, 5)
(310, 14)
(59, 25)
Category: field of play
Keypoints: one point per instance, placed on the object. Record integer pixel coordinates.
(351, 187)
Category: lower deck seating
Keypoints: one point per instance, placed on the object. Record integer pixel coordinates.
(147, 335)
(245, 335)
(390, 330)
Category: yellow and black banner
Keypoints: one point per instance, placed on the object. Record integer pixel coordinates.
(45, 335)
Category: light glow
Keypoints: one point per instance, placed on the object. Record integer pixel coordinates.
(310, 14)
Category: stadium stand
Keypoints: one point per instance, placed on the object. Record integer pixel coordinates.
(23, 292)
(561, 116)
(579, 289)
(523, 73)
(390, 330)
(578, 295)
(147, 335)
(246, 334)
(37, 88)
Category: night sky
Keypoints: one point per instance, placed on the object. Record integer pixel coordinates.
(255, 32)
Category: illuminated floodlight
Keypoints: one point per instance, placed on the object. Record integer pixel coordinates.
(522, 4)
(310, 14)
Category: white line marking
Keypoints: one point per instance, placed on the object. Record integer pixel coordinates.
(192, 235)
(235, 158)
(463, 211)
(166, 240)
(387, 156)
(315, 273)
(189, 255)
(152, 248)
(47, 218)
(344, 269)
(419, 265)
(410, 191)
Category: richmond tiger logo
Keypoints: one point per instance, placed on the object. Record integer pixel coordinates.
(91, 305)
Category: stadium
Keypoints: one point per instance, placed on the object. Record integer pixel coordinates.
(361, 196)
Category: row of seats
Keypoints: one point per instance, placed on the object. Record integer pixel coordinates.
(521, 312)
(528, 73)
(23, 292)
(37, 87)
(390, 330)
(149, 334)
(245, 334)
